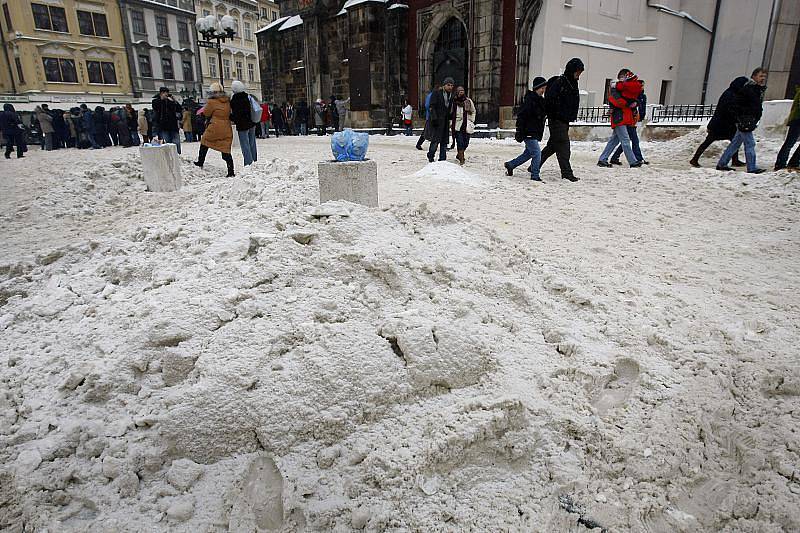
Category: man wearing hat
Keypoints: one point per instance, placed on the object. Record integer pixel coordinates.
(530, 129)
(165, 115)
(562, 102)
(441, 109)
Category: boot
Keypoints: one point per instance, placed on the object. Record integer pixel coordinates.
(201, 156)
(460, 157)
(229, 160)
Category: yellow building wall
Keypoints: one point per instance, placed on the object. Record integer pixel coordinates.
(31, 45)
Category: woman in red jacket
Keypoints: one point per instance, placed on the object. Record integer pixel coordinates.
(622, 98)
(265, 116)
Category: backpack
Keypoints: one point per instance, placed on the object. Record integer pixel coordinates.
(255, 109)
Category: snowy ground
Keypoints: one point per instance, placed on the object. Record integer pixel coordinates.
(482, 354)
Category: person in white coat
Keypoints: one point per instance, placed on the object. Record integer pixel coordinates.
(463, 124)
(408, 115)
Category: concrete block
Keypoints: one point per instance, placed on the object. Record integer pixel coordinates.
(161, 168)
(353, 181)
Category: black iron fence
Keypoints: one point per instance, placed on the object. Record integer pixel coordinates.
(682, 113)
(594, 115)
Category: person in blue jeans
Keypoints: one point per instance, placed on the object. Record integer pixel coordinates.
(792, 136)
(241, 115)
(530, 129)
(427, 115)
(747, 110)
(623, 99)
(165, 114)
(633, 133)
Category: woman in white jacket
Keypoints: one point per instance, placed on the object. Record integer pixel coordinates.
(463, 122)
(408, 119)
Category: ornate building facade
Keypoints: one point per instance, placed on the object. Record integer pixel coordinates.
(64, 51)
(162, 47)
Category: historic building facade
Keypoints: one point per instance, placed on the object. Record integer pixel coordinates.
(162, 47)
(64, 51)
(240, 54)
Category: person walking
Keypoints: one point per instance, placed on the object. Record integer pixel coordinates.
(302, 116)
(219, 133)
(633, 133)
(144, 126)
(241, 115)
(747, 110)
(463, 124)
(165, 115)
(319, 117)
(561, 101)
(12, 129)
(427, 115)
(334, 111)
(186, 125)
(530, 129)
(265, 116)
(46, 125)
(407, 114)
(277, 119)
(289, 114)
(342, 112)
(441, 111)
(623, 99)
(792, 135)
(722, 125)
(132, 118)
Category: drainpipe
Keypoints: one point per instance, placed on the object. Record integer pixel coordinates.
(710, 53)
(773, 29)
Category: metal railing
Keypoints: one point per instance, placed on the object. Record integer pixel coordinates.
(682, 113)
(594, 115)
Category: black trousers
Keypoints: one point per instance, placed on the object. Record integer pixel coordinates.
(13, 140)
(201, 158)
(711, 138)
(558, 144)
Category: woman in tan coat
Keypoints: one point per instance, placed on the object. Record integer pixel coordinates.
(186, 125)
(219, 133)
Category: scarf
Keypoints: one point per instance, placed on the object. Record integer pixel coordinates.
(469, 109)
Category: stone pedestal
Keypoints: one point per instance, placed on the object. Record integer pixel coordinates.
(353, 181)
(161, 168)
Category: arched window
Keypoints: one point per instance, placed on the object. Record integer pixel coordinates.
(450, 53)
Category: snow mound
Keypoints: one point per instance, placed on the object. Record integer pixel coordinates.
(447, 171)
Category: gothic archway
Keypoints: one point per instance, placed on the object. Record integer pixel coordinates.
(527, 13)
(450, 53)
(430, 23)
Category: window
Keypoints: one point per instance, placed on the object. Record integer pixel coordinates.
(166, 67)
(606, 90)
(49, 18)
(183, 32)
(162, 30)
(188, 72)
(274, 16)
(92, 24)
(212, 67)
(239, 71)
(609, 8)
(59, 70)
(145, 70)
(264, 13)
(251, 72)
(226, 68)
(137, 17)
(101, 72)
(7, 15)
(663, 97)
(248, 32)
(20, 75)
(206, 12)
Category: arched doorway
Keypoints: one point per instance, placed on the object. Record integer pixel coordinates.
(450, 53)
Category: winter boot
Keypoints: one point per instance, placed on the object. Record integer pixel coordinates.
(460, 157)
(201, 156)
(229, 161)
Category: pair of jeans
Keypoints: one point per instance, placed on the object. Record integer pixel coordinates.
(247, 140)
(135, 138)
(442, 145)
(409, 130)
(188, 136)
(711, 137)
(532, 153)
(558, 144)
(741, 137)
(637, 151)
(48, 141)
(792, 137)
(12, 140)
(173, 137)
(265, 129)
(303, 128)
(462, 140)
(619, 136)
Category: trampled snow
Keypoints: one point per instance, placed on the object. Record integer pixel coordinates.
(619, 353)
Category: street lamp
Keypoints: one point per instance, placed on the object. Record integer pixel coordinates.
(218, 30)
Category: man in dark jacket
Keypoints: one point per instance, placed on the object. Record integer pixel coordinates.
(747, 110)
(438, 130)
(165, 114)
(561, 102)
(12, 129)
(722, 126)
(530, 129)
(792, 135)
(87, 120)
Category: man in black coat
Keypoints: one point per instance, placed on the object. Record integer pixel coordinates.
(530, 129)
(12, 129)
(562, 101)
(722, 126)
(165, 114)
(747, 109)
(441, 109)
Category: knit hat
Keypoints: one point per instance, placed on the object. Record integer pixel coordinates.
(538, 82)
(449, 80)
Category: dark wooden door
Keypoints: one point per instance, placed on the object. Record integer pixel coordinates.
(360, 80)
(450, 53)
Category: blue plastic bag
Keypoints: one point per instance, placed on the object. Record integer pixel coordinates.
(348, 145)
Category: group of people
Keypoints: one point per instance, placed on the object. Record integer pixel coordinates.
(449, 114)
(300, 119)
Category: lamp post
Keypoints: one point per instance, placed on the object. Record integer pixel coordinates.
(219, 30)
